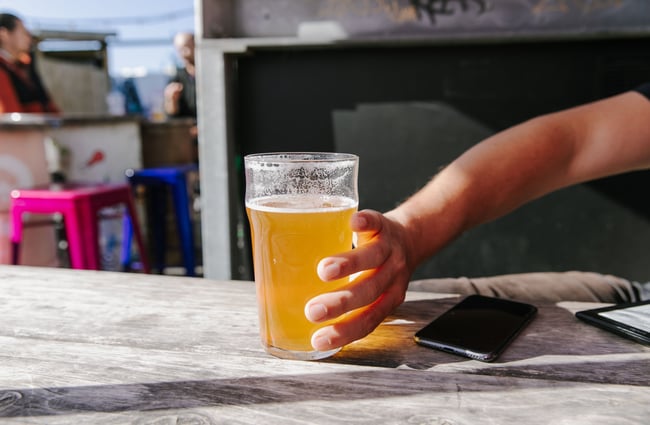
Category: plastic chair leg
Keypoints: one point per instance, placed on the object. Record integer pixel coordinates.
(135, 229)
(157, 213)
(91, 236)
(16, 233)
(75, 231)
(184, 224)
(15, 252)
(127, 237)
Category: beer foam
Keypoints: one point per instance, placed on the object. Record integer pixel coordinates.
(301, 203)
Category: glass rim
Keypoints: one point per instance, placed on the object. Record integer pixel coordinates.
(297, 157)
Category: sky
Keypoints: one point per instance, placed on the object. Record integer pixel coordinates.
(136, 22)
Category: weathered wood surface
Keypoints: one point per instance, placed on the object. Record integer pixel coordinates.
(99, 347)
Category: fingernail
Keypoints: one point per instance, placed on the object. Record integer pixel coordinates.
(316, 312)
(330, 271)
(321, 342)
(360, 222)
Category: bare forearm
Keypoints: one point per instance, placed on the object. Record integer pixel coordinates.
(486, 182)
(489, 180)
(524, 163)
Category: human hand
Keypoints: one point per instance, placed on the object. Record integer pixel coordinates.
(173, 91)
(381, 261)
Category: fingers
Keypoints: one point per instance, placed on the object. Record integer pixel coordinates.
(380, 276)
(363, 290)
(366, 221)
(175, 86)
(376, 264)
(367, 224)
(358, 323)
(354, 261)
(173, 89)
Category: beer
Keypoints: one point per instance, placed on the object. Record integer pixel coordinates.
(299, 206)
(290, 235)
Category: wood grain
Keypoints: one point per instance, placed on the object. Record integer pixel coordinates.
(101, 347)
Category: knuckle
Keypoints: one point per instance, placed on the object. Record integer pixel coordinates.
(374, 292)
(344, 304)
(371, 320)
(399, 299)
(380, 253)
(348, 266)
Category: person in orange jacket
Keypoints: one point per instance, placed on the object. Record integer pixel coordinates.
(21, 89)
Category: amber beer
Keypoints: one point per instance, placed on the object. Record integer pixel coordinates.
(290, 233)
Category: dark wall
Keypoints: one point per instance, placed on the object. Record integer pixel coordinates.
(286, 98)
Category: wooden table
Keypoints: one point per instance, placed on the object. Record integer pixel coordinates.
(101, 347)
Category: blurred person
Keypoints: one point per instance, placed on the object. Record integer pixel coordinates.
(21, 88)
(180, 92)
(496, 176)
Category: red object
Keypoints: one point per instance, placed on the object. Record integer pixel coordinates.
(98, 156)
(79, 205)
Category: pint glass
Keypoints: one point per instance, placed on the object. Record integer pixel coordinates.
(299, 207)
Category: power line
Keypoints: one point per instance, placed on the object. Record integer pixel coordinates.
(140, 42)
(122, 20)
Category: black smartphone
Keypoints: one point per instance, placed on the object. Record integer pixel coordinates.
(629, 320)
(478, 327)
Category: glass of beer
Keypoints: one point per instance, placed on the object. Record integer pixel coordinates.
(299, 206)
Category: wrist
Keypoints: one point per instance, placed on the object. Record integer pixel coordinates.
(409, 227)
(429, 223)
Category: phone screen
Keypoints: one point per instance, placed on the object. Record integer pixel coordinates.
(628, 320)
(478, 327)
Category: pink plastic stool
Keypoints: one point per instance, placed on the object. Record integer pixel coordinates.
(79, 204)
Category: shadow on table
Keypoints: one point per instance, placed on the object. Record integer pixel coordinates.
(555, 345)
(555, 352)
(338, 386)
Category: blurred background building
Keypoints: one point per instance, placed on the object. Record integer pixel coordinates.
(98, 57)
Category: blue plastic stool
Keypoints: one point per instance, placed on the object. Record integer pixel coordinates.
(157, 180)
